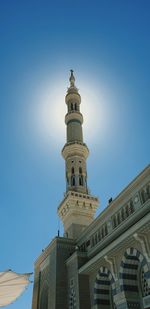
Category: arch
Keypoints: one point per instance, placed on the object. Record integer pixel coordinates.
(72, 170)
(134, 277)
(80, 180)
(73, 180)
(104, 289)
(80, 170)
(44, 297)
(75, 107)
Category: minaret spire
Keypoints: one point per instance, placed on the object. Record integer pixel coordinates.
(80, 205)
(72, 79)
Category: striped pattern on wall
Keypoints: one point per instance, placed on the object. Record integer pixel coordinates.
(104, 289)
(129, 270)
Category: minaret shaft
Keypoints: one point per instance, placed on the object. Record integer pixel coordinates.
(76, 174)
(78, 207)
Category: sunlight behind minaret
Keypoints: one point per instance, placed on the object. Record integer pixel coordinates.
(50, 109)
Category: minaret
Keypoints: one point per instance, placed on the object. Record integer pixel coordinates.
(78, 207)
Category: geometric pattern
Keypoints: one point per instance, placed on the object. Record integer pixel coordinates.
(72, 299)
(129, 277)
(104, 289)
(144, 285)
(129, 266)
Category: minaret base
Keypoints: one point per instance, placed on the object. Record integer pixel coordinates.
(77, 212)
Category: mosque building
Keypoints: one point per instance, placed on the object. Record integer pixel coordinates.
(101, 263)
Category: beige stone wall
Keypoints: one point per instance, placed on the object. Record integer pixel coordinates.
(74, 132)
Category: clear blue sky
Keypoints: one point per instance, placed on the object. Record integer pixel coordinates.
(107, 43)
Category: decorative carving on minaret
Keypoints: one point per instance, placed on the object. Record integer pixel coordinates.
(75, 153)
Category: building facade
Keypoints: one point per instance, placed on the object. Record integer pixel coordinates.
(100, 263)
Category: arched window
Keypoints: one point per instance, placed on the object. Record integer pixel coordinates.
(72, 106)
(80, 170)
(72, 170)
(134, 274)
(73, 180)
(80, 180)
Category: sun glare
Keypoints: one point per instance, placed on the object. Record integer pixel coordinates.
(50, 109)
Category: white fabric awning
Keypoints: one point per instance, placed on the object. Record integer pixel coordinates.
(12, 286)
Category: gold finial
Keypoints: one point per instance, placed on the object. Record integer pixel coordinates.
(72, 79)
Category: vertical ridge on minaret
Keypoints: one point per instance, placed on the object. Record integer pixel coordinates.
(80, 211)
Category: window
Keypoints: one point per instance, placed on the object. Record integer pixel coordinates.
(72, 170)
(80, 170)
(80, 180)
(73, 180)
